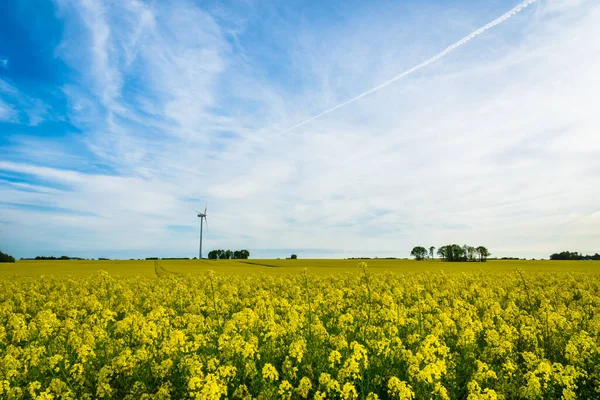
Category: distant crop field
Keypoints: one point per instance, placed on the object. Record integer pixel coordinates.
(390, 329)
(317, 266)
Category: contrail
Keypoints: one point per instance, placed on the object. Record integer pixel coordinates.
(425, 63)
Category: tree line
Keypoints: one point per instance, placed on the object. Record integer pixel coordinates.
(6, 258)
(228, 255)
(452, 253)
(54, 258)
(573, 255)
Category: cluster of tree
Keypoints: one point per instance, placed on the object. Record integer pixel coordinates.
(452, 253)
(61, 258)
(228, 254)
(293, 257)
(6, 258)
(573, 255)
(421, 253)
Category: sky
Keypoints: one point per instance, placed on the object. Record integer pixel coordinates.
(120, 119)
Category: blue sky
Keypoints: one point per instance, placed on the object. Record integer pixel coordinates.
(119, 119)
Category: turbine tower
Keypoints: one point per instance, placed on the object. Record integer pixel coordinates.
(202, 216)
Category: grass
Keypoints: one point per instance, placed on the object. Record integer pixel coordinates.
(255, 266)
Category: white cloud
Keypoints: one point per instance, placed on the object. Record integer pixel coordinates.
(495, 144)
(7, 113)
(13, 103)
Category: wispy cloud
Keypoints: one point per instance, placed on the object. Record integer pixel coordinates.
(7, 112)
(494, 144)
(514, 11)
(17, 107)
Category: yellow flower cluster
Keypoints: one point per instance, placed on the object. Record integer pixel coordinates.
(358, 335)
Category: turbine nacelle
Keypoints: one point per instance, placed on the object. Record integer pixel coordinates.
(202, 214)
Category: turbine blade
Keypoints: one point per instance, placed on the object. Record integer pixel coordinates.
(206, 221)
(205, 207)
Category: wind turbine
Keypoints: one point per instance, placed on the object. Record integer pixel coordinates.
(202, 216)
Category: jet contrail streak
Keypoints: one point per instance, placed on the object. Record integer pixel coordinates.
(425, 63)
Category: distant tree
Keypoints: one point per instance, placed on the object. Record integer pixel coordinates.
(452, 253)
(471, 251)
(462, 253)
(465, 253)
(443, 253)
(294, 257)
(228, 254)
(573, 255)
(456, 253)
(482, 253)
(566, 255)
(431, 250)
(213, 255)
(6, 258)
(419, 252)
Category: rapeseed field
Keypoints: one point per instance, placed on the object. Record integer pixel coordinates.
(312, 329)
